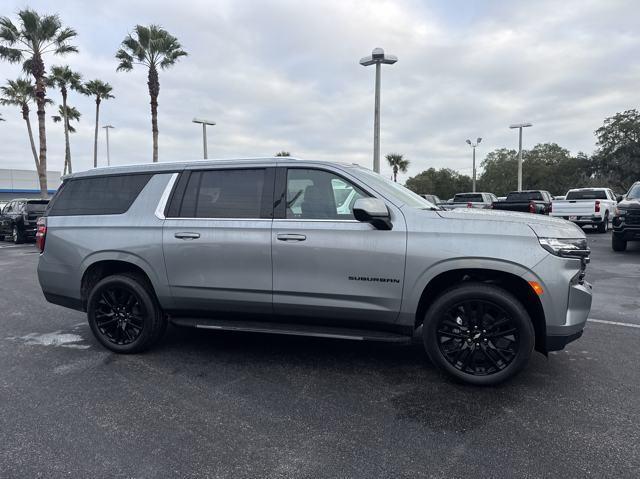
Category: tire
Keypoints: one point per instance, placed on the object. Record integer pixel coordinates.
(618, 244)
(603, 227)
(16, 235)
(498, 345)
(138, 323)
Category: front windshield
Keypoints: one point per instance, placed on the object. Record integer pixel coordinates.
(395, 190)
(634, 192)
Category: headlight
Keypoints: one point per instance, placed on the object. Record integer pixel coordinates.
(566, 247)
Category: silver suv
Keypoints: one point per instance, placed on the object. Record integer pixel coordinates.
(310, 248)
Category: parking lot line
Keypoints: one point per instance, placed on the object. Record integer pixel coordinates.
(615, 323)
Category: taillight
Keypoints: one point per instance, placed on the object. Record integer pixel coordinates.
(597, 206)
(41, 233)
(469, 205)
(532, 207)
(550, 207)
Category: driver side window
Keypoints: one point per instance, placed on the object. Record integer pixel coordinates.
(317, 194)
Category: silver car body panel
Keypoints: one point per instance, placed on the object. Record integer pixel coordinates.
(340, 270)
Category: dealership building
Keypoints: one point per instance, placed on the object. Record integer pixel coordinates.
(24, 184)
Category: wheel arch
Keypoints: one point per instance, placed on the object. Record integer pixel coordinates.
(509, 281)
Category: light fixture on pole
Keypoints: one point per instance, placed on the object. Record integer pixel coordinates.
(377, 58)
(473, 145)
(520, 126)
(106, 130)
(204, 132)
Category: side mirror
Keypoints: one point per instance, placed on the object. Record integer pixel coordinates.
(619, 198)
(374, 211)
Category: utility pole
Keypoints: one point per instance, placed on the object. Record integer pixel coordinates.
(377, 58)
(106, 129)
(520, 126)
(473, 145)
(204, 133)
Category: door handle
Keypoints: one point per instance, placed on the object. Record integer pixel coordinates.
(290, 237)
(187, 236)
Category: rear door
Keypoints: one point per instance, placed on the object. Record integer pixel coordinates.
(327, 265)
(217, 240)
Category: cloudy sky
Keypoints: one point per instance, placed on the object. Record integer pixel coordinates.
(280, 75)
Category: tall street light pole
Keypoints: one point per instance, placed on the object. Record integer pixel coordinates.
(106, 130)
(520, 126)
(204, 132)
(377, 58)
(473, 145)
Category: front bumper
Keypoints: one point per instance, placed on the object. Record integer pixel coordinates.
(578, 308)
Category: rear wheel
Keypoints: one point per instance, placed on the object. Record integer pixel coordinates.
(478, 333)
(124, 315)
(604, 226)
(618, 244)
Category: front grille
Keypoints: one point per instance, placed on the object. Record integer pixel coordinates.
(632, 218)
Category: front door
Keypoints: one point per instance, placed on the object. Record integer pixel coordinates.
(217, 241)
(326, 264)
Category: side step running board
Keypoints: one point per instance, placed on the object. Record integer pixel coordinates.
(292, 329)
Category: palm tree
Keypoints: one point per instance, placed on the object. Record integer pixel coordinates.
(283, 153)
(71, 114)
(152, 47)
(398, 163)
(29, 42)
(101, 91)
(20, 93)
(65, 79)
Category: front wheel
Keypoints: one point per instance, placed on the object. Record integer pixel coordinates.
(16, 235)
(124, 315)
(478, 333)
(618, 244)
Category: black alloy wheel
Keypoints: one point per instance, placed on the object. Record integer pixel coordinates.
(478, 337)
(124, 314)
(479, 333)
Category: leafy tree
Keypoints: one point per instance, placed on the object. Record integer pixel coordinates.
(20, 93)
(71, 114)
(65, 79)
(398, 163)
(617, 158)
(100, 91)
(152, 47)
(443, 183)
(283, 153)
(29, 42)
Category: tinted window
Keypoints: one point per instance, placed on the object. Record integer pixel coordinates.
(587, 195)
(316, 194)
(105, 195)
(468, 197)
(37, 206)
(634, 192)
(524, 196)
(223, 194)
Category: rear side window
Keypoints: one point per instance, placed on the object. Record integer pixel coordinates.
(240, 193)
(468, 197)
(587, 195)
(104, 195)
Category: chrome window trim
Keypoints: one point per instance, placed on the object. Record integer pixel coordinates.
(218, 219)
(165, 197)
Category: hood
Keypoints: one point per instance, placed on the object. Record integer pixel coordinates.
(629, 204)
(543, 226)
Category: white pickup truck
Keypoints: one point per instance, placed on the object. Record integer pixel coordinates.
(587, 206)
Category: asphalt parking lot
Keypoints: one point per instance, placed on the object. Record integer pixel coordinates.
(219, 404)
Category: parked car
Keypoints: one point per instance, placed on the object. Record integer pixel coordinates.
(587, 206)
(19, 218)
(529, 201)
(259, 245)
(471, 200)
(626, 219)
(433, 199)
